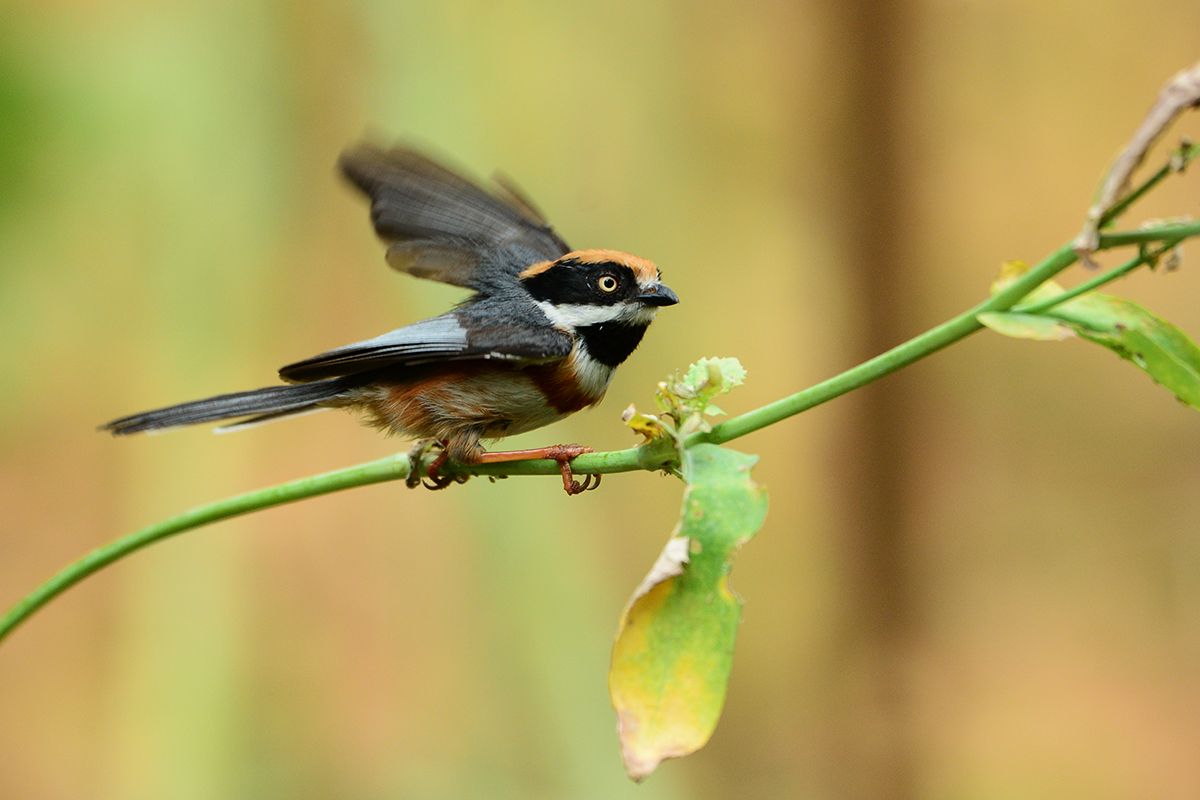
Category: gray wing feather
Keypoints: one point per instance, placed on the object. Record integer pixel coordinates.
(447, 224)
(438, 339)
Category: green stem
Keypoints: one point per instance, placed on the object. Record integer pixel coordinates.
(897, 358)
(1178, 231)
(936, 338)
(386, 469)
(655, 455)
(1145, 257)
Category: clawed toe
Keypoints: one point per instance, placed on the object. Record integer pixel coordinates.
(442, 481)
(433, 478)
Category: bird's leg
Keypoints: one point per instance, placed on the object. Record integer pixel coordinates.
(436, 480)
(562, 453)
(415, 454)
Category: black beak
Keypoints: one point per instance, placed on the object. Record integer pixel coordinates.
(657, 295)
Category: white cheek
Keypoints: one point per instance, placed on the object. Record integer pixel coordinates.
(639, 314)
(571, 315)
(574, 315)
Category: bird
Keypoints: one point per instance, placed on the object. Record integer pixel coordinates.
(537, 340)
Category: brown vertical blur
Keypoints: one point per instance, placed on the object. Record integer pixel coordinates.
(871, 753)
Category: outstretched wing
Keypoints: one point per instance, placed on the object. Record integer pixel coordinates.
(442, 226)
(438, 339)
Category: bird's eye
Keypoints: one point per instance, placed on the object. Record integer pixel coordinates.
(608, 284)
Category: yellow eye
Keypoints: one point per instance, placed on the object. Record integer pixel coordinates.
(608, 284)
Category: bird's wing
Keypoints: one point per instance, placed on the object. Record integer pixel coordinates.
(438, 339)
(442, 226)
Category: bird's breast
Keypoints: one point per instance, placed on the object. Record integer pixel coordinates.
(572, 384)
(493, 398)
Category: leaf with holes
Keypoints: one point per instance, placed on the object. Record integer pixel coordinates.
(1163, 351)
(674, 648)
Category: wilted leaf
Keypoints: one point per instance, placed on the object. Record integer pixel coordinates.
(674, 646)
(647, 425)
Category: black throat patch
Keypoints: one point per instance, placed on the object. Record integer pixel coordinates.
(610, 343)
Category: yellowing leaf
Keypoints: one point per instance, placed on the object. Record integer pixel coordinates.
(1026, 326)
(674, 646)
(647, 425)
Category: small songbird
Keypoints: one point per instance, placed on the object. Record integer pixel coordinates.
(538, 340)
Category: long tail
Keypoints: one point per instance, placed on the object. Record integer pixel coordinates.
(258, 404)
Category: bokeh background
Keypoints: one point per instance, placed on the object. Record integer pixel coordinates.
(978, 578)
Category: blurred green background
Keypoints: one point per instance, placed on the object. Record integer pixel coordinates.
(977, 579)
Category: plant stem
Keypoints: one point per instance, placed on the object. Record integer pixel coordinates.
(898, 357)
(654, 455)
(1177, 231)
(1145, 257)
(386, 469)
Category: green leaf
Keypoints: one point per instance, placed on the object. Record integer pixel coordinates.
(1163, 351)
(674, 647)
(686, 399)
(692, 392)
(1151, 343)
(1026, 326)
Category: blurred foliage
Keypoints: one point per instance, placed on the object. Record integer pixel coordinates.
(1015, 616)
(24, 124)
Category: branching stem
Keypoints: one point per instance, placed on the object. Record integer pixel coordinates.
(659, 454)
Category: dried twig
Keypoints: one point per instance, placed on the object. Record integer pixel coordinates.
(1179, 94)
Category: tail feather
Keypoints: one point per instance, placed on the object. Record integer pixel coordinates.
(262, 404)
